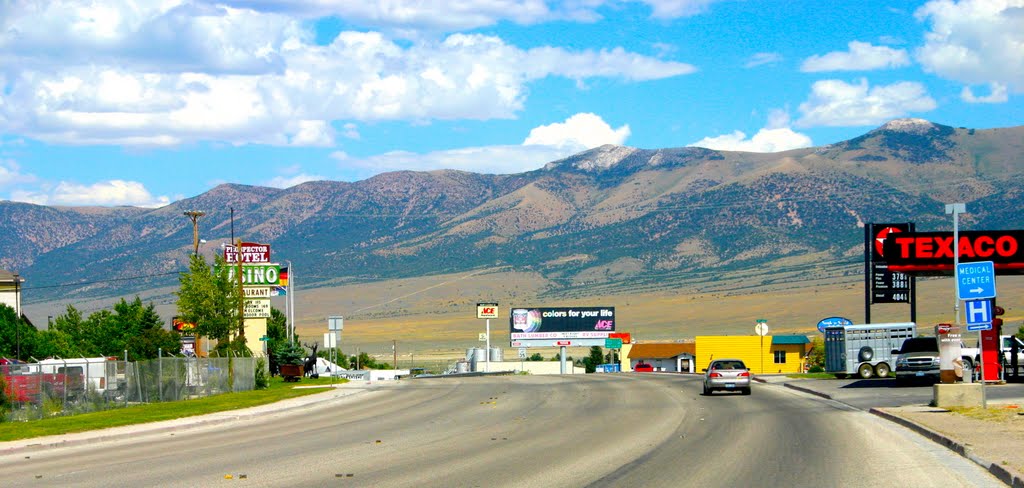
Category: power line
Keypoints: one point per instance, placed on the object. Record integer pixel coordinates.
(109, 280)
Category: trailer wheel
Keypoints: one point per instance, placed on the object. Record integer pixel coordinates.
(865, 371)
(882, 370)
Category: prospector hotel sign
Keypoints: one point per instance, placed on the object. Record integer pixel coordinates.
(258, 274)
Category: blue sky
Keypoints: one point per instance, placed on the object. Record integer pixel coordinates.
(143, 103)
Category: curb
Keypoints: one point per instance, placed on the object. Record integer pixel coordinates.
(1011, 479)
(176, 425)
(810, 391)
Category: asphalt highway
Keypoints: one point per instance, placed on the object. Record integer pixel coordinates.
(520, 431)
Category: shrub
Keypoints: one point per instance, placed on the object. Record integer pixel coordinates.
(262, 381)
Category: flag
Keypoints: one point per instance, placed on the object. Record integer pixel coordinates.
(278, 291)
(282, 277)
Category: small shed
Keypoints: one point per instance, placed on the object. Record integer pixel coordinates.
(672, 357)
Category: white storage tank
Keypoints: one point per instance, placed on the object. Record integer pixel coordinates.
(462, 366)
(476, 356)
(497, 355)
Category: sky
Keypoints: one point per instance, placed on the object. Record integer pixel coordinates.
(144, 103)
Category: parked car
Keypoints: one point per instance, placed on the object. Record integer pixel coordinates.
(918, 358)
(643, 367)
(728, 375)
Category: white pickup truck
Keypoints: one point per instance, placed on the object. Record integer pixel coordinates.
(1006, 345)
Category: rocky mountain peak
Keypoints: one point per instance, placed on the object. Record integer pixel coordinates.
(596, 159)
(908, 125)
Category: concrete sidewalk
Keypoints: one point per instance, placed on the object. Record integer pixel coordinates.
(996, 445)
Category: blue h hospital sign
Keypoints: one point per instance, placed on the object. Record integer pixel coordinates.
(978, 311)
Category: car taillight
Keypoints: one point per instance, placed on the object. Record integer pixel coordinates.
(716, 375)
(745, 373)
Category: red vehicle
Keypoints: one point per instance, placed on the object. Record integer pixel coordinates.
(25, 383)
(643, 367)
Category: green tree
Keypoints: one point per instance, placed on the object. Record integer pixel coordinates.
(209, 299)
(15, 330)
(816, 358)
(66, 336)
(535, 357)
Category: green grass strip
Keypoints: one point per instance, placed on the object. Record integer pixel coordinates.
(156, 412)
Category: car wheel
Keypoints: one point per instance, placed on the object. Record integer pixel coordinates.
(882, 370)
(707, 391)
(746, 391)
(865, 371)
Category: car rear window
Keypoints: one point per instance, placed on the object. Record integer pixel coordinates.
(729, 365)
(920, 344)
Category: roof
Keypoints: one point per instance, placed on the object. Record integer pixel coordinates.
(662, 350)
(790, 339)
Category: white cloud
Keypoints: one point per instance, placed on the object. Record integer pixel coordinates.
(837, 103)
(544, 144)
(671, 9)
(776, 136)
(103, 193)
(759, 59)
(765, 141)
(290, 181)
(996, 95)
(488, 159)
(583, 130)
(410, 18)
(862, 56)
(11, 174)
(172, 74)
(975, 41)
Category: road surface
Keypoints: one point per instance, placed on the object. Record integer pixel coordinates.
(606, 430)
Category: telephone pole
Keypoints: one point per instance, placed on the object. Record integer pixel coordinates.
(194, 215)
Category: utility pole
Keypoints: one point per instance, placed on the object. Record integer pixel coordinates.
(241, 291)
(194, 215)
(17, 312)
(394, 352)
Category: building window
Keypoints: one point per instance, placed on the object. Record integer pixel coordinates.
(780, 357)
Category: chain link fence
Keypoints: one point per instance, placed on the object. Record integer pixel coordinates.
(55, 387)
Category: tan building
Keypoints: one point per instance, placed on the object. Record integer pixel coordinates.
(670, 357)
(10, 290)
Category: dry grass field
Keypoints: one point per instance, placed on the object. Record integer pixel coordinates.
(436, 316)
(433, 319)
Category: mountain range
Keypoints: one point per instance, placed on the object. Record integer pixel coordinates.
(610, 216)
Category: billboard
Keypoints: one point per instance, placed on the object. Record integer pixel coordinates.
(561, 322)
(933, 252)
(887, 285)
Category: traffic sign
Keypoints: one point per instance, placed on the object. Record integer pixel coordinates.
(522, 353)
(264, 338)
(613, 343)
(976, 280)
(833, 322)
(978, 312)
(563, 343)
(977, 327)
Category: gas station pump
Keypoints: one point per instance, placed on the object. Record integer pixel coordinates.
(990, 353)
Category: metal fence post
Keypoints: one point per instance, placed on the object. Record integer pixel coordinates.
(126, 378)
(160, 374)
